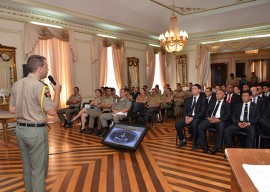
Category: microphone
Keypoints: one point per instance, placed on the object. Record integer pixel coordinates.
(51, 79)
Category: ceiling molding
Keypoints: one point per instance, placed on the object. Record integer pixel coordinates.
(20, 12)
(229, 34)
(91, 25)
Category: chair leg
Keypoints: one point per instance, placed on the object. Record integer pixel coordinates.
(259, 142)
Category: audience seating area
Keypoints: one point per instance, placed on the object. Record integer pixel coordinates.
(137, 113)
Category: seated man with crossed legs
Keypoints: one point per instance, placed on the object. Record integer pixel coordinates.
(74, 102)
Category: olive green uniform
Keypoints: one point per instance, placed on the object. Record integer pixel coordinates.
(31, 98)
(166, 105)
(107, 101)
(179, 98)
(69, 110)
(120, 105)
(154, 105)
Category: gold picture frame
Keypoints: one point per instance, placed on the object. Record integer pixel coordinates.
(181, 69)
(133, 72)
(7, 66)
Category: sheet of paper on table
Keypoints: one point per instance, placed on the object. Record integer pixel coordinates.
(259, 175)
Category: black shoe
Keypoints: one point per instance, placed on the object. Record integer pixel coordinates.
(182, 143)
(69, 125)
(65, 124)
(194, 147)
(98, 133)
(214, 151)
(205, 149)
(90, 131)
(82, 130)
(104, 134)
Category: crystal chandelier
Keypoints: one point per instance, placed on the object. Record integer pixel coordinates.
(173, 41)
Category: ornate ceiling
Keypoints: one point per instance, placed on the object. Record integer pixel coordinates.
(143, 20)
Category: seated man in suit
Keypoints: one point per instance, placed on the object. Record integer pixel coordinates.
(193, 113)
(236, 90)
(74, 102)
(119, 111)
(245, 117)
(260, 89)
(256, 99)
(265, 120)
(232, 98)
(217, 115)
(266, 89)
(209, 95)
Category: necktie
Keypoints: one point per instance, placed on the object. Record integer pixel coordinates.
(192, 107)
(215, 110)
(253, 100)
(246, 113)
(229, 98)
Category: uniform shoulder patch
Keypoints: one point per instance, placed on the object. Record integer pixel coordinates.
(47, 92)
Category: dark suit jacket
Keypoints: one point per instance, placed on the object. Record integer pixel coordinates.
(254, 113)
(208, 102)
(265, 107)
(225, 112)
(199, 107)
(235, 99)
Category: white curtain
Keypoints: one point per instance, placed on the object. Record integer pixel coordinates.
(203, 52)
(99, 54)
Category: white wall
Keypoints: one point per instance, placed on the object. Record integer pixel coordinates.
(11, 34)
(83, 67)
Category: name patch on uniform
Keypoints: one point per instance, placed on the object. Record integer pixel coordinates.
(47, 92)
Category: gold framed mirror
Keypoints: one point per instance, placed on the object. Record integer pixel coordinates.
(133, 72)
(182, 69)
(8, 74)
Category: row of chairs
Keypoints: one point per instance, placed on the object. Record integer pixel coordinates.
(137, 111)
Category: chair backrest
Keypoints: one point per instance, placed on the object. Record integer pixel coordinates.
(130, 112)
(139, 107)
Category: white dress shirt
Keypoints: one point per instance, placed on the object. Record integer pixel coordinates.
(219, 108)
(197, 97)
(243, 109)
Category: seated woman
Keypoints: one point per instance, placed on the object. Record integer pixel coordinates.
(142, 97)
(86, 111)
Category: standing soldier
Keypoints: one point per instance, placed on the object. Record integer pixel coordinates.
(31, 102)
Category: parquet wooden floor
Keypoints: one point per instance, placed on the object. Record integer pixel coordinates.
(79, 162)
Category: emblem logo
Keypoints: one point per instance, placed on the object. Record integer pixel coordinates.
(123, 136)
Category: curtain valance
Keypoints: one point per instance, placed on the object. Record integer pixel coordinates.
(33, 33)
(117, 43)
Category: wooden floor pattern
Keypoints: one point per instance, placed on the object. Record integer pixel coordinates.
(79, 162)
